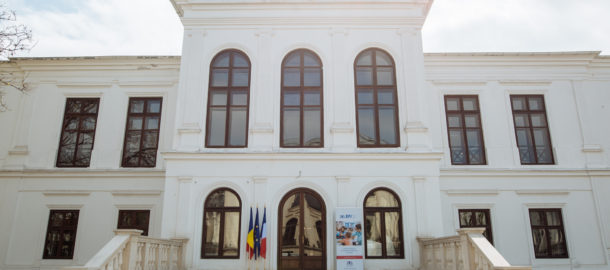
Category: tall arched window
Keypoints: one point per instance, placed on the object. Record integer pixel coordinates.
(221, 220)
(301, 113)
(228, 99)
(376, 101)
(383, 224)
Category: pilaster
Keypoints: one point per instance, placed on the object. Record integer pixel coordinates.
(262, 128)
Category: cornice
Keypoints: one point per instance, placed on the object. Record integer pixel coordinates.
(423, 156)
(279, 22)
(82, 173)
(522, 172)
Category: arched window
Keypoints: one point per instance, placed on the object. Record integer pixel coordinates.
(301, 113)
(228, 99)
(222, 214)
(383, 224)
(376, 101)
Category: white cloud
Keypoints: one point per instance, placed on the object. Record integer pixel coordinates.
(151, 27)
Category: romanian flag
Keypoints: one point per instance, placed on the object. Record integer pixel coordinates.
(257, 243)
(263, 236)
(250, 239)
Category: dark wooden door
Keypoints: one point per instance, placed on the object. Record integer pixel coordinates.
(302, 231)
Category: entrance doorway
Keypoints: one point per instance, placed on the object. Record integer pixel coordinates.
(302, 231)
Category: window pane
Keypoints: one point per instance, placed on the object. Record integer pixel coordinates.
(518, 103)
(557, 243)
(526, 147)
(387, 126)
(381, 198)
(152, 123)
(293, 60)
(392, 231)
(472, 121)
(538, 120)
(312, 77)
(219, 98)
(385, 76)
(466, 219)
(365, 96)
(364, 76)
(536, 103)
(365, 59)
(83, 155)
(240, 77)
(290, 226)
(222, 60)
(541, 245)
(521, 120)
(385, 96)
(470, 104)
(553, 218)
(237, 127)
(212, 233)
(240, 61)
(135, 123)
(458, 150)
(543, 146)
(382, 59)
(366, 125)
(231, 234)
(454, 121)
(61, 234)
(73, 106)
(220, 77)
(291, 127)
(535, 218)
(88, 123)
(311, 127)
(292, 98)
(137, 106)
(239, 98)
(475, 148)
(216, 128)
(453, 104)
(311, 98)
(292, 77)
(372, 232)
(481, 218)
(150, 140)
(154, 106)
(90, 107)
(71, 123)
(310, 60)
(222, 198)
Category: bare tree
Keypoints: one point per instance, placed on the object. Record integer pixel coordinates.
(14, 38)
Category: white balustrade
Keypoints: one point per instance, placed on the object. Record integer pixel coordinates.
(469, 250)
(129, 250)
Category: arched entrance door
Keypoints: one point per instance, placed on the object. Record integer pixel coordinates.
(302, 231)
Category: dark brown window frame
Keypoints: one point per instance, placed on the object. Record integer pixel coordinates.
(134, 213)
(301, 229)
(382, 211)
(530, 128)
(546, 228)
(61, 229)
(487, 227)
(302, 89)
(228, 90)
(462, 113)
(144, 115)
(79, 131)
(374, 86)
(222, 211)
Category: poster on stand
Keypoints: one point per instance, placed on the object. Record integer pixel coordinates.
(348, 239)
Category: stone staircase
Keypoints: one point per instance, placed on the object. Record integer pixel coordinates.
(128, 250)
(469, 250)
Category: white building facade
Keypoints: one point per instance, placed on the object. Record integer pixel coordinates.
(303, 107)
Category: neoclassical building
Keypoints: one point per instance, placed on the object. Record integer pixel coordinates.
(303, 107)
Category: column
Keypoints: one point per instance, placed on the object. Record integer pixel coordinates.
(262, 96)
(191, 92)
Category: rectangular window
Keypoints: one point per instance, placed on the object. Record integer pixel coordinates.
(464, 130)
(134, 219)
(61, 234)
(548, 233)
(142, 132)
(477, 218)
(531, 129)
(77, 132)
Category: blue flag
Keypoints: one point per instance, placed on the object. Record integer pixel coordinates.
(257, 238)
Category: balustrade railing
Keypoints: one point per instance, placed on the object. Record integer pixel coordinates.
(469, 250)
(128, 250)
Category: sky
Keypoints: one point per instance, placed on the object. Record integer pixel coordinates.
(151, 27)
